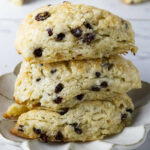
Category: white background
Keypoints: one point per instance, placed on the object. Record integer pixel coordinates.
(138, 15)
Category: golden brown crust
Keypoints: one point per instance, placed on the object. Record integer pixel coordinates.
(15, 110)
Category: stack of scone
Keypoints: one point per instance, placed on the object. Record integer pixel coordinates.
(73, 82)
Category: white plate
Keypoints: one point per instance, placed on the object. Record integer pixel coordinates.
(130, 138)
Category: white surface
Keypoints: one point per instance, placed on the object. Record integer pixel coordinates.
(139, 15)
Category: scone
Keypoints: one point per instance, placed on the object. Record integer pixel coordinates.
(65, 32)
(133, 1)
(87, 121)
(17, 2)
(15, 110)
(64, 84)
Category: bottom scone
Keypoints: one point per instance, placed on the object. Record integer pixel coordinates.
(15, 110)
(87, 121)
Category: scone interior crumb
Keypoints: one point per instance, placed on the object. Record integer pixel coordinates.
(87, 121)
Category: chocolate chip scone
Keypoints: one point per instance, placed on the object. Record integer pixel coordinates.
(65, 32)
(87, 121)
(64, 84)
(15, 110)
(133, 1)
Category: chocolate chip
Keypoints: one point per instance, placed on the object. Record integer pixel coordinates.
(37, 52)
(108, 66)
(37, 131)
(129, 110)
(74, 125)
(104, 84)
(58, 100)
(87, 25)
(38, 104)
(59, 136)
(53, 71)
(44, 138)
(50, 32)
(42, 16)
(77, 32)
(76, 128)
(80, 97)
(60, 36)
(63, 111)
(97, 74)
(20, 128)
(104, 60)
(95, 88)
(38, 79)
(59, 88)
(123, 117)
(88, 37)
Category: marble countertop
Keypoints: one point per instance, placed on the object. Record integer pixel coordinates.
(138, 15)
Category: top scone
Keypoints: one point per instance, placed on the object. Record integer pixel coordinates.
(65, 32)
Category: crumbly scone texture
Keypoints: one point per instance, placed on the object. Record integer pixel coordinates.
(65, 32)
(65, 84)
(87, 121)
(133, 1)
(17, 2)
(15, 110)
